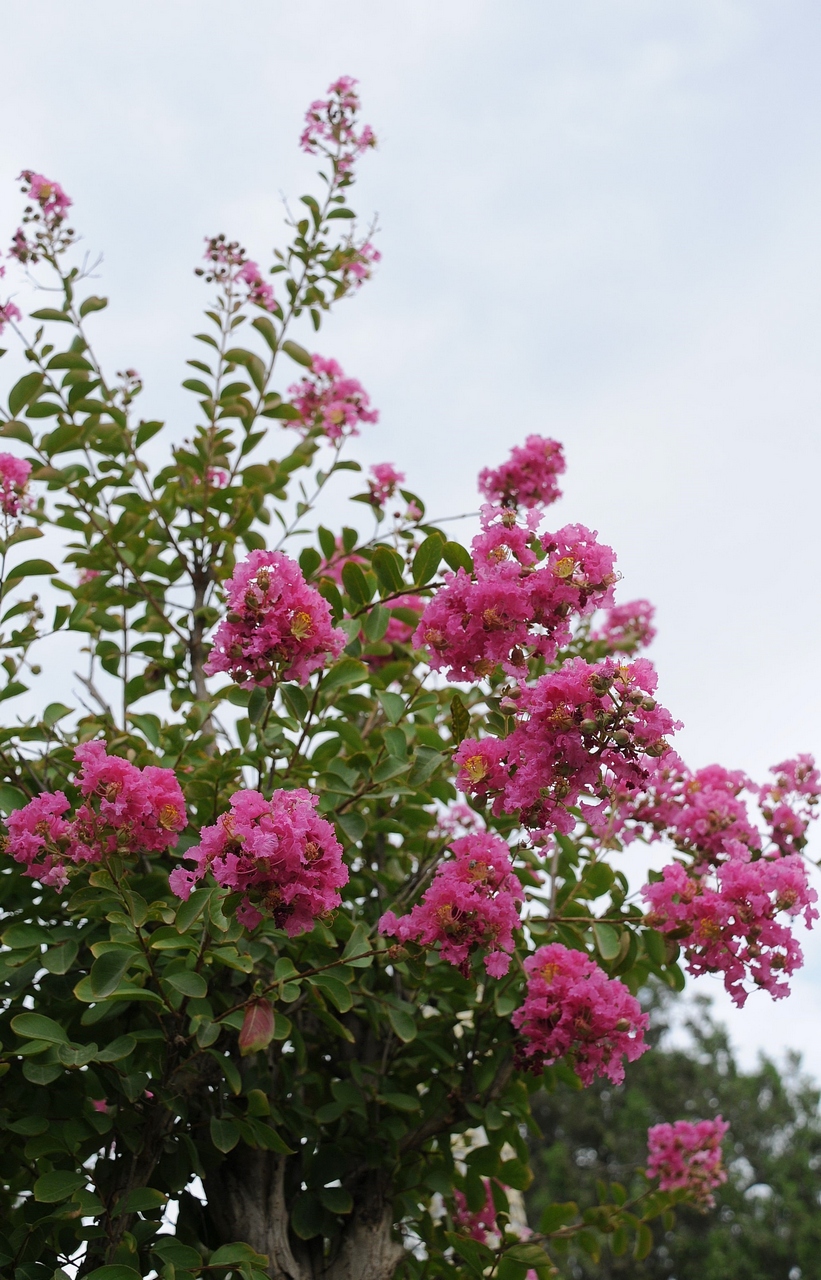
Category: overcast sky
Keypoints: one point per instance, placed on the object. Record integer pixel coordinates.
(599, 221)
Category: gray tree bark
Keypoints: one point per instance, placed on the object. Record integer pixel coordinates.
(246, 1201)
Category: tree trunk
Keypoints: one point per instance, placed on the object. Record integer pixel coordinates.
(246, 1202)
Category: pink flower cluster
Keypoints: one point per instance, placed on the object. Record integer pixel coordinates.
(513, 606)
(9, 312)
(471, 904)
(573, 1010)
(726, 917)
(705, 812)
(384, 482)
(582, 731)
(626, 627)
(528, 478)
(359, 263)
(230, 266)
(14, 477)
(50, 196)
(126, 810)
(687, 1157)
(279, 854)
(260, 292)
(49, 206)
(478, 1224)
(331, 126)
(790, 803)
(330, 402)
(276, 625)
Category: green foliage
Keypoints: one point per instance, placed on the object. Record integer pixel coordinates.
(765, 1225)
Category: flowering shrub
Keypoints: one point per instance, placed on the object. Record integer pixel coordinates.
(253, 941)
(687, 1157)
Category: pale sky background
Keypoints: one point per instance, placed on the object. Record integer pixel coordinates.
(600, 221)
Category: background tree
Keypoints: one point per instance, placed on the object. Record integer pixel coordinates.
(251, 942)
(766, 1223)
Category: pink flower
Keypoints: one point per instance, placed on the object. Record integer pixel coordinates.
(100, 1104)
(50, 196)
(512, 607)
(126, 811)
(360, 262)
(481, 766)
(88, 575)
(260, 291)
(216, 477)
(279, 854)
(479, 1224)
(9, 312)
(790, 803)
(471, 904)
(687, 1157)
(583, 731)
(400, 629)
(384, 482)
(528, 478)
(573, 1010)
(331, 127)
(14, 476)
(328, 401)
(726, 917)
(626, 627)
(276, 626)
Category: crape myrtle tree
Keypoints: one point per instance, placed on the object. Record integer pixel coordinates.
(318, 883)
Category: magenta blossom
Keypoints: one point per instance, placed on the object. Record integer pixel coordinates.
(9, 312)
(279, 854)
(384, 482)
(276, 625)
(329, 401)
(125, 811)
(14, 477)
(260, 291)
(50, 196)
(472, 904)
(725, 918)
(573, 1010)
(332, 129)
(528, 478)
(626, 627)
(686, 1157)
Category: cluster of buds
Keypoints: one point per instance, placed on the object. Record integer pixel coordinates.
(45, 215)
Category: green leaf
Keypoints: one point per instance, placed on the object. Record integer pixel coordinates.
(92, 304)
(531, 1255)
(389, 568)
(115, 1271)
(17, 431)
(335, 989)
(608, 941)
(346, 671)
(376, 622)
(393, 705)
(140, 1200)
(118, 1049)
(55, 711)
(190, 911)
(229, 1254)
(295, 700)
(353, 824)
(51, 313)
(644, 1242)
(59, 1185)
(11, 798)
(426, 561)
(224, 1134)
(355, 583)
(336, 1199)
(29, 569)
(307, 1216)
(109, 969)
(403, 1024)
(265, 326)
(558, 1215)
(358, 944)
(459, 718)
(146, 430)
(24, 391)
(60, 959)
(257, 703)
(188, 982)
(297, 353)
(36, 1026)
(457, 556)
(179, 1255)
